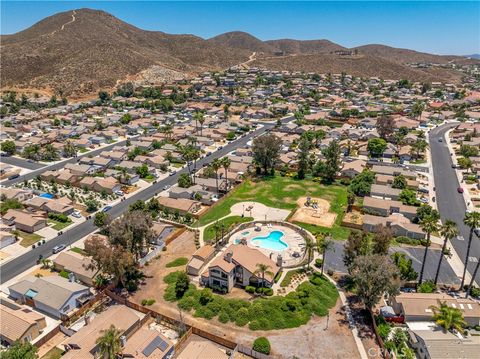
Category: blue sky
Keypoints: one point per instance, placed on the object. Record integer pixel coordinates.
(442, 27)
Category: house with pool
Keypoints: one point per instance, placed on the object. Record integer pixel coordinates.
(237, 266)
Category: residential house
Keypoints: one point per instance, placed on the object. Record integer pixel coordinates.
(20, 195)
(353, 168)
(6, 238)
(182, 205)
(19, 324)
(77, 264)
(399, 224)
(61, 205)
(25, 221)
(385, 192)
(237, 265)
(384, 208)
(53, 295)
(201, 256)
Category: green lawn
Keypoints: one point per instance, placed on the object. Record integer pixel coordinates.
(283, 192)
(315, 296)
(229, 223)
(177, 262)
(288, 277)
(57, 225)
(78, 250)
(53, 353)
(28, 238)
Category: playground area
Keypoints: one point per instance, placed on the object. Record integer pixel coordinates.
(314, 211)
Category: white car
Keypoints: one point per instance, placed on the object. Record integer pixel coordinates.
(76, 214)
(120, 193)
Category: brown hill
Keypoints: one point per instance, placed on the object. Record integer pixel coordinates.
(242, 40)
(361, 65)
(289, 46)
(83, 50)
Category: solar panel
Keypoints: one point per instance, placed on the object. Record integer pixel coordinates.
(157, 342)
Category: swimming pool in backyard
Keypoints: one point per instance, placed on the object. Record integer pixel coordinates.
(271, 242)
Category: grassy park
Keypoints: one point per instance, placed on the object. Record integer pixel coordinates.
(283, 192)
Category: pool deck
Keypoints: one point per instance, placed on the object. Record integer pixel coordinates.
(294, 240)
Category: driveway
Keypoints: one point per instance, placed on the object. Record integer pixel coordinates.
(447, 275)
(451, 204)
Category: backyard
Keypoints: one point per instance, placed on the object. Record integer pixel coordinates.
(284, 192)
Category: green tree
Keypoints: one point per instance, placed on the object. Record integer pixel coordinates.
(385, 126)
(471, 220)
(109, 345)
(92, 204)
(374, 275)
(216, 164)
(429, 225)
(184, 180)
(226, 163)
(417, 109)
(419, 146)
(465, 163)
(8, 147)
(448, 317)
(399, 182)
(266, 151)
(332, 161)
(262, 270)
(303, 158)
(362, 183)
(404, 266)
(101, 219)
(376, 147)
(408, 197)
(468, 151)
(181, 285)
(324, 244)
(142, 170)
(448, 231)
(103, 96)
(20, 350)
(262, 345)
(69, 149)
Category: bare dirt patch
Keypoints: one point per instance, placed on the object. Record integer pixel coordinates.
(317, 212)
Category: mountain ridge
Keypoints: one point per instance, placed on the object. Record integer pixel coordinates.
(81, 51)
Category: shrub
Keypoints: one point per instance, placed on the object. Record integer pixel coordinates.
(262, 345)
(147, 302)
(277, 277)
(181, 284)
(268, 291)
(177, 262)
(318, 262)
(409, 241)
(223, 317)
(475, 292)
(63, 274)
(206, 296)
(427, 287)
(250, 289)
(58, 217)
(383, 330)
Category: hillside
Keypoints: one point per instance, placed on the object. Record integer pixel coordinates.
(83, 50)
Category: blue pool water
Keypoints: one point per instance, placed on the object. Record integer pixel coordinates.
(47, 195)
(272, 241)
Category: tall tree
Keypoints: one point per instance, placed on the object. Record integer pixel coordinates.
(332, 161)
(266, 151)
(226, 163)
(303, 157)
(429, 225)
(374, 275)
(20, 350)
(385, 126)
(324, 244)
(448, 317)
(471, 220)
(109, 345)
(216, 165)
(262, 270)
(472, 280)
(448, 231)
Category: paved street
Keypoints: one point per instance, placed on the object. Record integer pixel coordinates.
(447, 275)
(451, 204)
(20, 162)
(40, 168)
(18, 265)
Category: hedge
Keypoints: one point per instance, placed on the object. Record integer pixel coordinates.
(262, 345)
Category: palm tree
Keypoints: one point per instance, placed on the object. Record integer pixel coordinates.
(324, 244)
(310, 248)
(429, 225)
(474, 275)
(109, 342)
(197, 116)
(226, 162)
(263, 269)
(46, 263)
(448, 317)
(471, 220)
(216, 164)
(448, 231)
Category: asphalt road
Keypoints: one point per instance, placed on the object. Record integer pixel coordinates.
(334, 261)
(20, 162)
(40, 168)
(451, 204)
(20, 264)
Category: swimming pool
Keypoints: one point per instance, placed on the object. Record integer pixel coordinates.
(272, 241)
(47, 195)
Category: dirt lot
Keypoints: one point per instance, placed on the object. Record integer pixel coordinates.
(319, 216)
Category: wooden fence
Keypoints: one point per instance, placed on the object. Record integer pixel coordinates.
(47, 336)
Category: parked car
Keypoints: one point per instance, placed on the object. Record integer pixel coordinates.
(16, 175)
(58, 248)
(106, 208)
(440, 140)
(76, 214)
(119, 193)
(423, 190)
(167, 186)
(460, 190)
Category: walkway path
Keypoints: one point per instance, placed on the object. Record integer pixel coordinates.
(258, 211)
